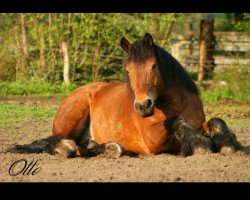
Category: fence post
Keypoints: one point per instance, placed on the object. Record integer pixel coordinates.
(206, 60)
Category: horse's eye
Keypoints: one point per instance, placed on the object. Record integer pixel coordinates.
(154, 67)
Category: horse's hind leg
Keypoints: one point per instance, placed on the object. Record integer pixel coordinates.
(111, 150)
(71, 122)
(191, 142)
(87, 147)
(66, 148)
(223, 139)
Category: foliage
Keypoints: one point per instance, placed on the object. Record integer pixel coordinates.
(244, 25)
(93, 47)
(92, 40)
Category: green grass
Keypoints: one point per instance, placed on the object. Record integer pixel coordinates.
(237, 123)
(236, 78)
(12, 114)
(237, 85)
(226, 93)
(231, 114)
(35, 88)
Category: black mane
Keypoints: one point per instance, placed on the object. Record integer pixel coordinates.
(169, 67)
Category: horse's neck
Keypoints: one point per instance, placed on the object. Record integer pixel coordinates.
(174, 100)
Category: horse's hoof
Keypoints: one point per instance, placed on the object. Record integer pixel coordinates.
(201, 151)
(62, 152)
(91, 144)
(227, 150)
(113, 150)
(66, 148)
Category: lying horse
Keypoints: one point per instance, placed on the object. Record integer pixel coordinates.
(156, 109)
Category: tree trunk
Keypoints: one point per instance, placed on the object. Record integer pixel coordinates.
(167, 33)
(156, 25)
(76, 45)
(52, 57)
(96, 64)
(24, 39)
(42, 54)
(66, 63)
(95, 70)
(69, 27)
(23, 44)
(206, 65)
(50, 23)
(188, 30)
(19, 61)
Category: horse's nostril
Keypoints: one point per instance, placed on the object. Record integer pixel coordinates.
(137, 106)
(148, 103)
(145, 105)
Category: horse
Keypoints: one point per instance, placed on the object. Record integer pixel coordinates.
(156, 109)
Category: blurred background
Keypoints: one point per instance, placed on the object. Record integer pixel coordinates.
(54, 53)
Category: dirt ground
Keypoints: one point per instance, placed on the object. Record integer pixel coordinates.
(153, 168)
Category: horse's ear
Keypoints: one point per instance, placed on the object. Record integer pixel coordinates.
(148, 40)
(125, 44)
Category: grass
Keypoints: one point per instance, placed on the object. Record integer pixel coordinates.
(12, 114)
(237, 123)
(35, 88)
(236, 116)
(236, 86)
(230, 83)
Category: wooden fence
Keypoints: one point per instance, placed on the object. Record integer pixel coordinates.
(230, 49)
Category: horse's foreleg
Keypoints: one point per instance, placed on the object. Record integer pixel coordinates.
(223, 139)
(190, 141)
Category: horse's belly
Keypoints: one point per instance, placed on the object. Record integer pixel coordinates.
(117, 124)
(106, 128)
(109, 124)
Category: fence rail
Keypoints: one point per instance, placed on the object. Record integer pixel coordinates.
(233, 49)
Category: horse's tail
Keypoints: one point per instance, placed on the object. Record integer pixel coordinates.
(39, 146)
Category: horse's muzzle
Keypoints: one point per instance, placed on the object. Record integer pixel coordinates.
(145, 108)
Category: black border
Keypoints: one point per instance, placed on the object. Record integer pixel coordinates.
(168, 190)
(127, 190)
(124, 6)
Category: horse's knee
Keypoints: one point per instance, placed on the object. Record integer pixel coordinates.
(223, 139)
(191, 142)
(214, 127)
(66, 148)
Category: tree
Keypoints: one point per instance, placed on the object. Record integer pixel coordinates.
(90, 41)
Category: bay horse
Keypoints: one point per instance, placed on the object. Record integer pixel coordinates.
(156, 109)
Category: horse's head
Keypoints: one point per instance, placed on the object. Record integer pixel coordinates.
(143, 73)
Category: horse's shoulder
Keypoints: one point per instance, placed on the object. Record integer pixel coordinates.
(98, 88)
